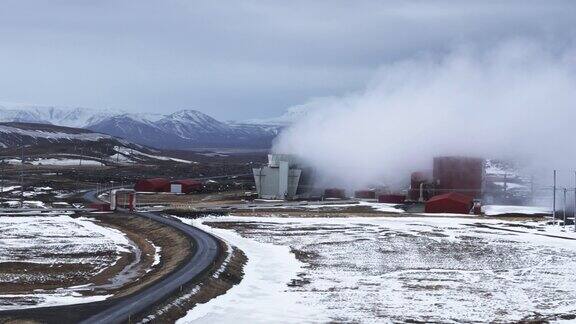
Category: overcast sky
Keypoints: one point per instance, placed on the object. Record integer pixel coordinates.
(238, 59)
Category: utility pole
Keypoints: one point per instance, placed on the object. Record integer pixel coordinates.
(532, 189)
(22, 178)
(554, 199)
(564, 211)
(2, 170)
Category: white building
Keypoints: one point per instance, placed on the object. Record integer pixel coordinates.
(279, 179)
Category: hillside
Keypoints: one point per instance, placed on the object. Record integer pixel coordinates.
(59, 145)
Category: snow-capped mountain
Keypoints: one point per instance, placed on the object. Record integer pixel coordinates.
(183, 129)
(62, 116)
(187, 129)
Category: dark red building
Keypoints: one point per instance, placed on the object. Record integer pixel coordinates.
(392, 199)
(453, 203)
(458, 174)
(188, 185)
(365, 194)
(335, 193)
(153, 185)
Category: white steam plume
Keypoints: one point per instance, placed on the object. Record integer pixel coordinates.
(517, 100)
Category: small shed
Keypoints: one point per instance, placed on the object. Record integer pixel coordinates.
(186, 186)
(152, 185)
(452, 203)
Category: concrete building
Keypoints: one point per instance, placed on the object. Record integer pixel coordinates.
(279, 179)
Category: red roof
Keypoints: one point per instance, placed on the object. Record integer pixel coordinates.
(453, 202)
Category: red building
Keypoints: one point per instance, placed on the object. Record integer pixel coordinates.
(365, 194)
(335, 193)
(186, 186)
(453, 203)
(458, 174)
(392, 199)
(153, 185)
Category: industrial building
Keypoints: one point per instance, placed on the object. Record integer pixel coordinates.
(165, 185)
(152, 185)
(463, 175)
(185, 186)
(279, 179)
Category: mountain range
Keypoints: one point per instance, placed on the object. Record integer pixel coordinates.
(184, 129)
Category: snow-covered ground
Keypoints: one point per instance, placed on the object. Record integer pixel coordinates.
(262, 296)
(495, 210)
(130, 155)
(29, 238)
(381, 207)
(63, 161)
(323, 205)
(55, 241)
(382, 269)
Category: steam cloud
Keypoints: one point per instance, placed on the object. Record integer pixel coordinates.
(514, 101)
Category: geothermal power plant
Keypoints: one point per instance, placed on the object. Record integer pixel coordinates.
(453, 184)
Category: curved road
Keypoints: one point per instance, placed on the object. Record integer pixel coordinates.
(206, 250)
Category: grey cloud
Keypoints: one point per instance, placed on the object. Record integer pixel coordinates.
(238, 59)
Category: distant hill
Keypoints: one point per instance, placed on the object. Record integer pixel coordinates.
(185, 129)
(50, 144)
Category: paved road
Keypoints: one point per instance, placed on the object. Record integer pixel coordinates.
(206, 251)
